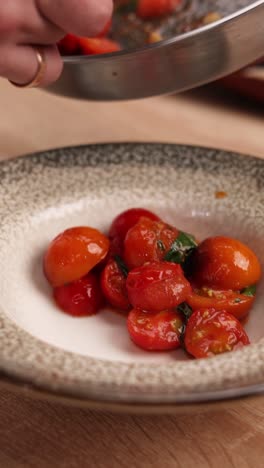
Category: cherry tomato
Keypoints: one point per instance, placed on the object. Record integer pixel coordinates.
(210, 332)
(80, 298)
(148, 241)
(113, 284)
(125, 221)
(155, 332)
(73, 253)
(94, 45)
(157, 286)
(156, 8)
(225, 263)
(232, 302)
(69, 45)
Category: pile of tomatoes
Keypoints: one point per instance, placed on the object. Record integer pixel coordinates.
(175, 291)
(143, 10)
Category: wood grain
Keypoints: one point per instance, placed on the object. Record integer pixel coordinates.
(39, 434)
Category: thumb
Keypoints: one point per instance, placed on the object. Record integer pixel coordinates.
(80, 17)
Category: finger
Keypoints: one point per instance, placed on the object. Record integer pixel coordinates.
(22, 23)
(21, 64)
(80, 17)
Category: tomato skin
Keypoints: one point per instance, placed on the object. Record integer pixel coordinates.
(80, 298)
(97, 45)
(157, 286)
(113, 284)
(210, 332)
(232, 302)
(156, 8)
(106, 29)
(125, 221)
(69, 45)
(225, 263)
(73, 253)
(155, 332)
(143, 241)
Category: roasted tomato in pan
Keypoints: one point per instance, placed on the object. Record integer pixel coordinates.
(225, 263)
(113, 284)
(232, 302)
(148, 241)
(157, 286)
(73, 253)
(210, 332)
(80, 298)
(155, 332)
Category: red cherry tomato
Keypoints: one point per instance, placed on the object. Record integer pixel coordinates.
(211, 332)
(94, 45)
(156, 8)
(113, 284)
(125, 221)
(69, 45)
(155, 332)
(148, 241)
(80, 298)
(232, 302)
(225, 263)
(157, 286)
(72, 254)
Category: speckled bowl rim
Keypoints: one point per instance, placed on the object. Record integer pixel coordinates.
(32, 361)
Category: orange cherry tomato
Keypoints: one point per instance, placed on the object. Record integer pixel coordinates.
(72, 254)
(156, 8)
(232, 302)
(148, 241)
(155, 332)
(225, 263)
(96, 45)
(209, 332)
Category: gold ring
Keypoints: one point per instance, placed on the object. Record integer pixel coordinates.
(39, 74)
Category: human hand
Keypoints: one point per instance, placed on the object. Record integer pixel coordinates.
(26, 24)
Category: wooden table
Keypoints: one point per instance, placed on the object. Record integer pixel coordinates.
(43, 434)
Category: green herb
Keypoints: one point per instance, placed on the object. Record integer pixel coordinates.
(237, 300)
(182, 331)
(161, 246)
(122, 266)
(249, 291)
(128, 6)
(181, 248)
(185, 310)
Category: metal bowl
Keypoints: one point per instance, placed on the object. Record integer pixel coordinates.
(173, 65)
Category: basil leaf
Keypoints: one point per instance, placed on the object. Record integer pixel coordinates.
(128, 6)
(161, 246)
(181, 248)
(185, 310)
(249, 291)
(121, 265)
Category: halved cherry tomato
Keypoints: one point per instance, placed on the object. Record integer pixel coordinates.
(232, 302)
(157, 286)
(225, 263)
(125, 221)
(69, 45)
(80, 298)
(155, 332)
(73, 253)
(209, 332)
(113, 284)
(148, 241)
(94, 45)
(156, 8)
